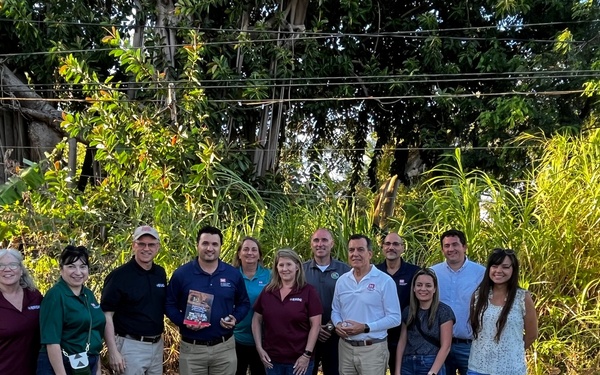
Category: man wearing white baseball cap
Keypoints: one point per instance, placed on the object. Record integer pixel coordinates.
(133, 301)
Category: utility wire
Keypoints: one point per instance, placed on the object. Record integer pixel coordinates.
(261, 102)
(328, 81)
(243, 43)
(306, 81)
(345, 149)
(307, 32)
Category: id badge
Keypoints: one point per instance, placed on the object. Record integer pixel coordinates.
(79, 360)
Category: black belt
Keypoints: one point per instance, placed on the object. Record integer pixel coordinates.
(214, 342)
(456, 340)
(151, 339)
(364, 342)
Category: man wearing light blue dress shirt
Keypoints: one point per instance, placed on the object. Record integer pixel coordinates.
(458, 278)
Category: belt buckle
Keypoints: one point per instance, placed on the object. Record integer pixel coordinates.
(150, 339)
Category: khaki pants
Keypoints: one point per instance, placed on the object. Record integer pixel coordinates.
(141, 358)
(363, 360)
(219, 359)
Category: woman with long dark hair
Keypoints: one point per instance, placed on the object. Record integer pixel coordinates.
(426, 332)
(500, 312)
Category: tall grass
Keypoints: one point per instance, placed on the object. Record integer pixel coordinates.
(551, 220)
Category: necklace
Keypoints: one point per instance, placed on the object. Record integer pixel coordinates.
(492, 297)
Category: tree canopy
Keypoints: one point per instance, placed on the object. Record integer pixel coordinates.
(364, 88)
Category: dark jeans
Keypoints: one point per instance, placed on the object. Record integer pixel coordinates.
(247, 356)
(419, 365)
(285, 369)
(327, 353)
(45, 368)
(458, 358)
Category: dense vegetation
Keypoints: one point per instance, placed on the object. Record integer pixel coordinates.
(272, 123)
(551, 219)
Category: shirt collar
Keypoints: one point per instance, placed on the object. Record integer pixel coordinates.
(460, 269)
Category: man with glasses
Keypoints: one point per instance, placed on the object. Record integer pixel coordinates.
(458, 277)
(133, 301)
(402, 273)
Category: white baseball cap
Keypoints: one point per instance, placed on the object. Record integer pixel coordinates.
(143, 230)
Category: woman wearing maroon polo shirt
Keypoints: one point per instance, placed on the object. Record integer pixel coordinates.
(288, 312)
(19, 316)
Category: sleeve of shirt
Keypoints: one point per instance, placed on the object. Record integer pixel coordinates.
(174, 313)
(314, 303)
(258, 307)
(242, 301)
(391, 307)
(111, 294)
(405, 314)
(446, 314)
(336, 317)
(51, 318)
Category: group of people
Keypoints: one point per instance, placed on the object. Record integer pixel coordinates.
(346, 318)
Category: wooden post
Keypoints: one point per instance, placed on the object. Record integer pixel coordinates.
(72, 160)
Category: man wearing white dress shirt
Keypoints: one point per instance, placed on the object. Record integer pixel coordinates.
(365, 305)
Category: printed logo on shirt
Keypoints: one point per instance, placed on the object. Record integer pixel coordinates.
(33, 307)
(296, 299)
(261, 283)
(95, 305)
(402, 282)
(224, 283)
(160, 285)
(335, 275)
(371, 287)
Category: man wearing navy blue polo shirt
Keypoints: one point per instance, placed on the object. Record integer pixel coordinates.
(402, 273)
(218, 289)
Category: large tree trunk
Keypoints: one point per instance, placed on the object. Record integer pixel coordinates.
(44, 127)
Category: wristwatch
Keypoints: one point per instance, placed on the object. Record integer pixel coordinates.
(367, 328)
(308, 353)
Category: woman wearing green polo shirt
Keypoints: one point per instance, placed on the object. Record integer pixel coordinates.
(72, 323)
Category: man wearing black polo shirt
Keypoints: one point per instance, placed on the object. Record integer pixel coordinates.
(402, 272)
(205, 299)
(133, 300)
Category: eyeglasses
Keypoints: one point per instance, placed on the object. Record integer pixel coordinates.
(425, 271)
(150, 245)
(13, 266)
(505, 251)
(388, 243)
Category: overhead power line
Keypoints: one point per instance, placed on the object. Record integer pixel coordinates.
(240, 84)
(295, 39)
(349, 80)
(131, 25)
(255, 102)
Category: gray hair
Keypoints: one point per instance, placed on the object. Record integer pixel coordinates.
(26, 281)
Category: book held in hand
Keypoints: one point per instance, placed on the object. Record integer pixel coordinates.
(197, 312)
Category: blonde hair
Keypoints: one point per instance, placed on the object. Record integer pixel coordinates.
(26, 281)
(276, 282)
